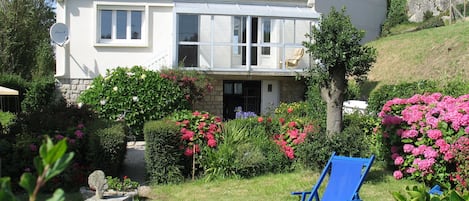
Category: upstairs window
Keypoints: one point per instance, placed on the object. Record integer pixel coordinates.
(120, 25)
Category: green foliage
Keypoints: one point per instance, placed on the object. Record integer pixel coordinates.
(107, 146)
(317, 149)
(163, 157)
(52, 161)
(385, 93)
(21, 49)
(455, 87)
(117, 184)
(316, 106)
(194, 84)
(45, 60)
(397, 14)
(135, 95)
(335, 44)
(6, 120)
(421, 193)
(39, 94)
(432, 22)
(247, 150)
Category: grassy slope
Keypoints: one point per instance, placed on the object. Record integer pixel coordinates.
(436, 53)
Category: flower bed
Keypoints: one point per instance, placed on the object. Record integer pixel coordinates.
(427, 137)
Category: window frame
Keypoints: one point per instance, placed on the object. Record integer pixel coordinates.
(128, 41)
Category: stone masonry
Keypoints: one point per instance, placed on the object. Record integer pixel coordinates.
(72, 88)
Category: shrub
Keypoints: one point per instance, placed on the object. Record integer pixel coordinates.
(162, 152)
(432, 22)
(6, 120)
(246, 150)
(39, 94)
(135, 95)
(397, 14)
(423, 134)
(107, 146)
(381, 95)
(316, 106)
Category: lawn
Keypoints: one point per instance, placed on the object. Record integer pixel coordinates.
(377, 187)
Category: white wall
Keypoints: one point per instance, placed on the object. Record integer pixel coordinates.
(87, 59)
(269, 100)
(368, 15)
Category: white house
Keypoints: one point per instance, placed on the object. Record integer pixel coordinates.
(252, 48)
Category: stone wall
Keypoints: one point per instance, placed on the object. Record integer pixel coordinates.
(416, 8)
(213, 102)
(72, 88)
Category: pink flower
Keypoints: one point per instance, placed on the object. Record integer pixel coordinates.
(79, 134)
(408, 148)
(292, 124)
(430, 153)
(399, 160)
(212, 143)
(434, 134)
(394, 156)
(398, 174)
(59, 137)
(80, 126)
(196, 113)
(188, 152)
(290, 110)
(394, 149)
(293, 133)
(411, 170)
(410, 133)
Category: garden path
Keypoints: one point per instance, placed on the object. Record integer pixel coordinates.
(134, 163)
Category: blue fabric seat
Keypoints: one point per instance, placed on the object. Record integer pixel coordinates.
(346, 175)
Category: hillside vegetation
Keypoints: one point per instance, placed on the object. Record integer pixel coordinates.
(437, 54)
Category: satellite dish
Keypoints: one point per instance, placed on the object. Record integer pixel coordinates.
(59, 33)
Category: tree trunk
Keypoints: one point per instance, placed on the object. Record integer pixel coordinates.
(333, 93)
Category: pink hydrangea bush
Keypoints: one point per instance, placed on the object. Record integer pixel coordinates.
(198, 130)
(424, 134)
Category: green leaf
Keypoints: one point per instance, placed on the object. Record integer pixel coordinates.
(5, 190)
(59, 166)
(28, 182)
(38, 164)
(58, 195)
(54, 152)
(398, 196)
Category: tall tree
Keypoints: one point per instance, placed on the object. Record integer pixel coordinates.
(24, 32)
(335, 45)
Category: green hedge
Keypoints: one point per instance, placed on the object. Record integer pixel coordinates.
(39, 94)
(162, 153)
(454, 87)
(107, 146)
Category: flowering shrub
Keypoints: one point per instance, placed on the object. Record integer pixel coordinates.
(198, 129)
(423, 135)
(125, 184)
(135, 95)
(193, 84)
(293, 129)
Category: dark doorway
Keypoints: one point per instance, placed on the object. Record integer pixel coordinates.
(254, 26)
(239, 93)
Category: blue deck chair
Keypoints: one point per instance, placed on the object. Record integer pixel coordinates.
(346, 175)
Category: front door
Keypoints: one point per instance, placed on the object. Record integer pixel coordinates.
(241, 94)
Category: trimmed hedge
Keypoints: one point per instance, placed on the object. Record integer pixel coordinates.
(39, 94)
(162, 153)
(107, 146)
(454, 87)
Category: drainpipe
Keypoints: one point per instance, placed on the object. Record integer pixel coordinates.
(248, 42)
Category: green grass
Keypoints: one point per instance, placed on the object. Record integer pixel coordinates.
(437, 54)
(377, 187)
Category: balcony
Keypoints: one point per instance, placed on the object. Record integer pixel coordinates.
(261, 41)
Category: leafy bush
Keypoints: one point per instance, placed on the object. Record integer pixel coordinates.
(403, 90)
(317, 149)
(423, 134)
(397, 14)
(117, 184)
(6, 120)
(434, 21)
(162, 152)
(107, 146)
(421, 193)
(246, 150)
(316, 106)
(135, 95)
(39, 94)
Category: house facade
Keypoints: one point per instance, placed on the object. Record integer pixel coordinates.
(252, 49)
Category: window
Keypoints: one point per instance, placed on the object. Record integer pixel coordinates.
(188, 37)
(266, 30)
(120, 24)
